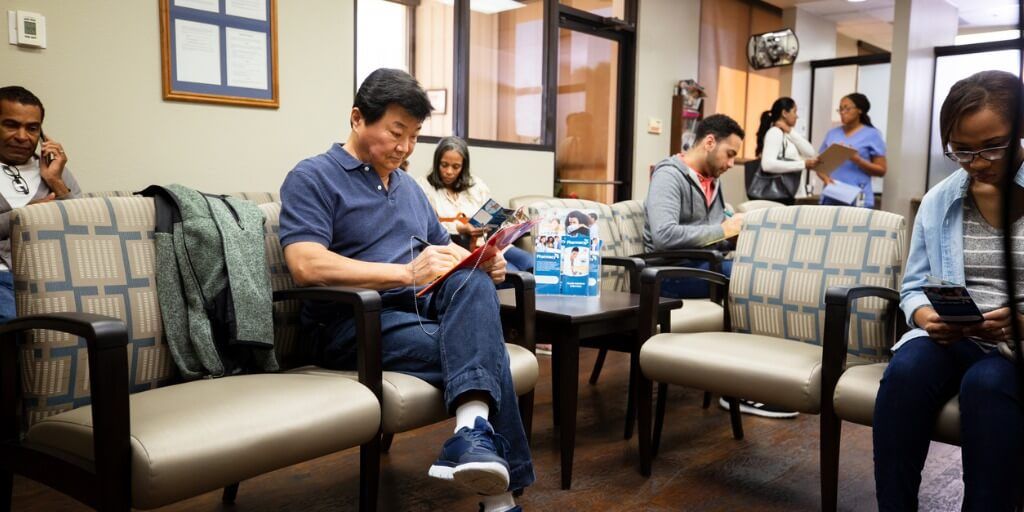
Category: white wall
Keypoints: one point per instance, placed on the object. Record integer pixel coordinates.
(918, 27)
(817, 41)
(100, 79)
(668, 34)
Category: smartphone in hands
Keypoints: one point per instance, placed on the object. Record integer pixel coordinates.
(48, 159)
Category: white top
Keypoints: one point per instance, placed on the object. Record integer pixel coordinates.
(797, 149)
(30, 173)
(449, 204)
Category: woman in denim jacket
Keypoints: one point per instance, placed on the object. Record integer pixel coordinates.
(958, 237)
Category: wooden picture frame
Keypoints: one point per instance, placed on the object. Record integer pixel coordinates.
(223, 92)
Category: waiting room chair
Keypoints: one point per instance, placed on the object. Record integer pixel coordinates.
(756, 204)
(849, 391)
(408, 402)
(771, 349)
(92, 404)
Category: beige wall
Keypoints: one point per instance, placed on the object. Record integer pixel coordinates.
(668, 32)
(507, 172)
(104, 102)
(919, 26)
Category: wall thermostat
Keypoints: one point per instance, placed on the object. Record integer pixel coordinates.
(28, 29)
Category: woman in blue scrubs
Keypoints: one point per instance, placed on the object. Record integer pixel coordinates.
(858, 133)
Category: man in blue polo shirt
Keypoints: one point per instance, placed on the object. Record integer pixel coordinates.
(351, 217)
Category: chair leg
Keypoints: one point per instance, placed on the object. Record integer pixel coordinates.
(385, 442)
(598, 364)
(526, 414)
(230, 493)
(7, 489)
(831, 434)
(734, 415)
(369, 474)
(644, 391)
(634, 375)
(659, 417)
(707, 399)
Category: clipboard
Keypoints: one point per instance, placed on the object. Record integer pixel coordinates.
(497, 242)
(833, 156)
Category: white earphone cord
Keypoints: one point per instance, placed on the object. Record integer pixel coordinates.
(416, 302)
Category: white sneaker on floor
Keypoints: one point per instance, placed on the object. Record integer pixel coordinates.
(759, 409)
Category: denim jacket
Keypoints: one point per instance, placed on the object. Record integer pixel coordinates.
(937, 244)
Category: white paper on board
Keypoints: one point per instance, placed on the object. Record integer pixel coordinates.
(252, 9)
(202, 5)
(197, 49)
(247, 58)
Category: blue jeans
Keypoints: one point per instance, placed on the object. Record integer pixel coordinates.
(920, 379)
(460, 349)
(7, 310)
(692, 288)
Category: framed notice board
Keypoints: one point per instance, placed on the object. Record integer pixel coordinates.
(220, 51)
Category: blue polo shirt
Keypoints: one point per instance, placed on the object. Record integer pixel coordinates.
(337, 201)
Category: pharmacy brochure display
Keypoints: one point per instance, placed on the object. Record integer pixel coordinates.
(568, 253)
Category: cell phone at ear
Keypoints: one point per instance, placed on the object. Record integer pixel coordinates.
(46, 158)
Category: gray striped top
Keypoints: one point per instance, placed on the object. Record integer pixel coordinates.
(983, 259)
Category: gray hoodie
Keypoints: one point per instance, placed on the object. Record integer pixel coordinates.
(678, 216)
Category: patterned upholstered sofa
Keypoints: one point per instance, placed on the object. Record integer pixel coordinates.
(786, 261)
(93, 390)
(256, 197)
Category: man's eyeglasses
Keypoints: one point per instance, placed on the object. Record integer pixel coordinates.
(966, 157)
(20, 185)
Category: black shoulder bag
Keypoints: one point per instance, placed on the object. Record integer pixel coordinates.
(779, 187)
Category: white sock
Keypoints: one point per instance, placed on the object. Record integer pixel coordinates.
(499, 503)
(465, 414)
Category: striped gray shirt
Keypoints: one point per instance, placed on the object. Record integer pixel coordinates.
(983, 259)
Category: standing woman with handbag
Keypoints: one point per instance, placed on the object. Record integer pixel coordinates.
(858, 133)
(784, 154)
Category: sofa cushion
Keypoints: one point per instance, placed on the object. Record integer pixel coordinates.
(192, 438)
(781, 372)
(854, 401)
(411, 403)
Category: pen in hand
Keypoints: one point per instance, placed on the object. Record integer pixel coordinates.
(423, 243)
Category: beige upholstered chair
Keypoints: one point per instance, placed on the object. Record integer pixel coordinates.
(256, 197)
(525, 243)
(109, 421)
(786, 259)
(409, 403)
(849, 391)
(756, 204)
(696, 315)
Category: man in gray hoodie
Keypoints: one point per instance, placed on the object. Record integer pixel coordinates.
(685, 208)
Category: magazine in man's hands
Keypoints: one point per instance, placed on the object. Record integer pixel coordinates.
(498, 241)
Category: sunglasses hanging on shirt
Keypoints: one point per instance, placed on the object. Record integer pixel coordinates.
(20, 185)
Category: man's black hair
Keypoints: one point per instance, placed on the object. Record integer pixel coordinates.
(391, 87)
(719, 125)
(19, 94)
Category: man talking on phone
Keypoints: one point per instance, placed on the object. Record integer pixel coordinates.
(34, 171)
(352, 217)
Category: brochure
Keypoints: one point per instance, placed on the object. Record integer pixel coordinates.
(496, 243)
(491, 214)
(952, 301)
(568, 253)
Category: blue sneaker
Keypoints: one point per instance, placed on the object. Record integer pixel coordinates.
(475, 459)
